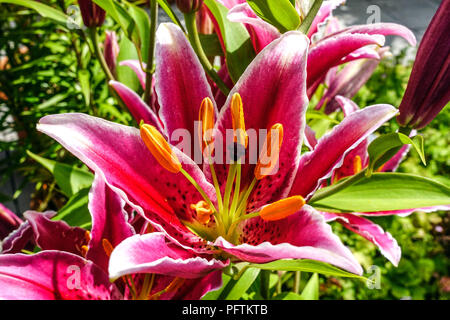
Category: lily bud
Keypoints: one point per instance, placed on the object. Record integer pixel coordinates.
(160, 148)
(270, 152)
(237, 119)
(189, 6)
(206, 117)
(92, 14)
(428, 89)
(111, 50)
(204, 22)
(282, 208)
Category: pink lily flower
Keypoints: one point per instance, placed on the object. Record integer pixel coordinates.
(73, 263)
(180, 199)
(353, 162)
(428, 88)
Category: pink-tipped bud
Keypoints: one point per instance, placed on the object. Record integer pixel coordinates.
(111, 50)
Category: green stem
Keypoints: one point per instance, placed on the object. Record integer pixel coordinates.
(265, 284)
(297, 279)
(194, 39)
(98, 53)
(151, 51)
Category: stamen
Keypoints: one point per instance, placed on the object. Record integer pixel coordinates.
(270, 152)
(84, 250)
(237, 119)
(203, 211)
(282, 208)
(87, 236)
(160, 148)
(206, 117)
(107, 247)
(357, 167)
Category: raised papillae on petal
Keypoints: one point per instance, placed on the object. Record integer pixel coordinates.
(237, 119)
(282, 208)
(206, 117)
(270, 153)
(160, 148)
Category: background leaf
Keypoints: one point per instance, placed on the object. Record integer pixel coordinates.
(238, 46)
(69, 178)
(279, 13)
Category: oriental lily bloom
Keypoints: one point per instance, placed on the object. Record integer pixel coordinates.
(73, 263)
(428, 88)
(325, 52)
(353, 163)
(219, 211)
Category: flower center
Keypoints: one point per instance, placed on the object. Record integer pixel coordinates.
(232, 204)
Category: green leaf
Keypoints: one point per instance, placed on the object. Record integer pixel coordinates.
(233, 289)
(385, 192)
(211, 44)
(76, 212)
(44, 10)
(279, 13)
(124, 74)
(168, 10)
(142, 21)
(386, 146)
(307, 266)
(69, 178)
(307, 22)
(238, 45)
(84, 77)
(121, 16)
(311, 290)
(288, 296)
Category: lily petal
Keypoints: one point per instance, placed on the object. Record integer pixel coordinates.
(304, 235)
(151, 253)
(273, 91)
(136, 67)
(22, 237)
(8, 221)
(382, 28)
(118, 155)
(374, 233)
(181, 83)
(138, 108)
(55, 235)
(53, 275)
(323, 14)
(108, 222)
(317, 165)
(261, 32)
(329, 52)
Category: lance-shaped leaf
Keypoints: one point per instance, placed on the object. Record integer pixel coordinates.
(385, 192)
